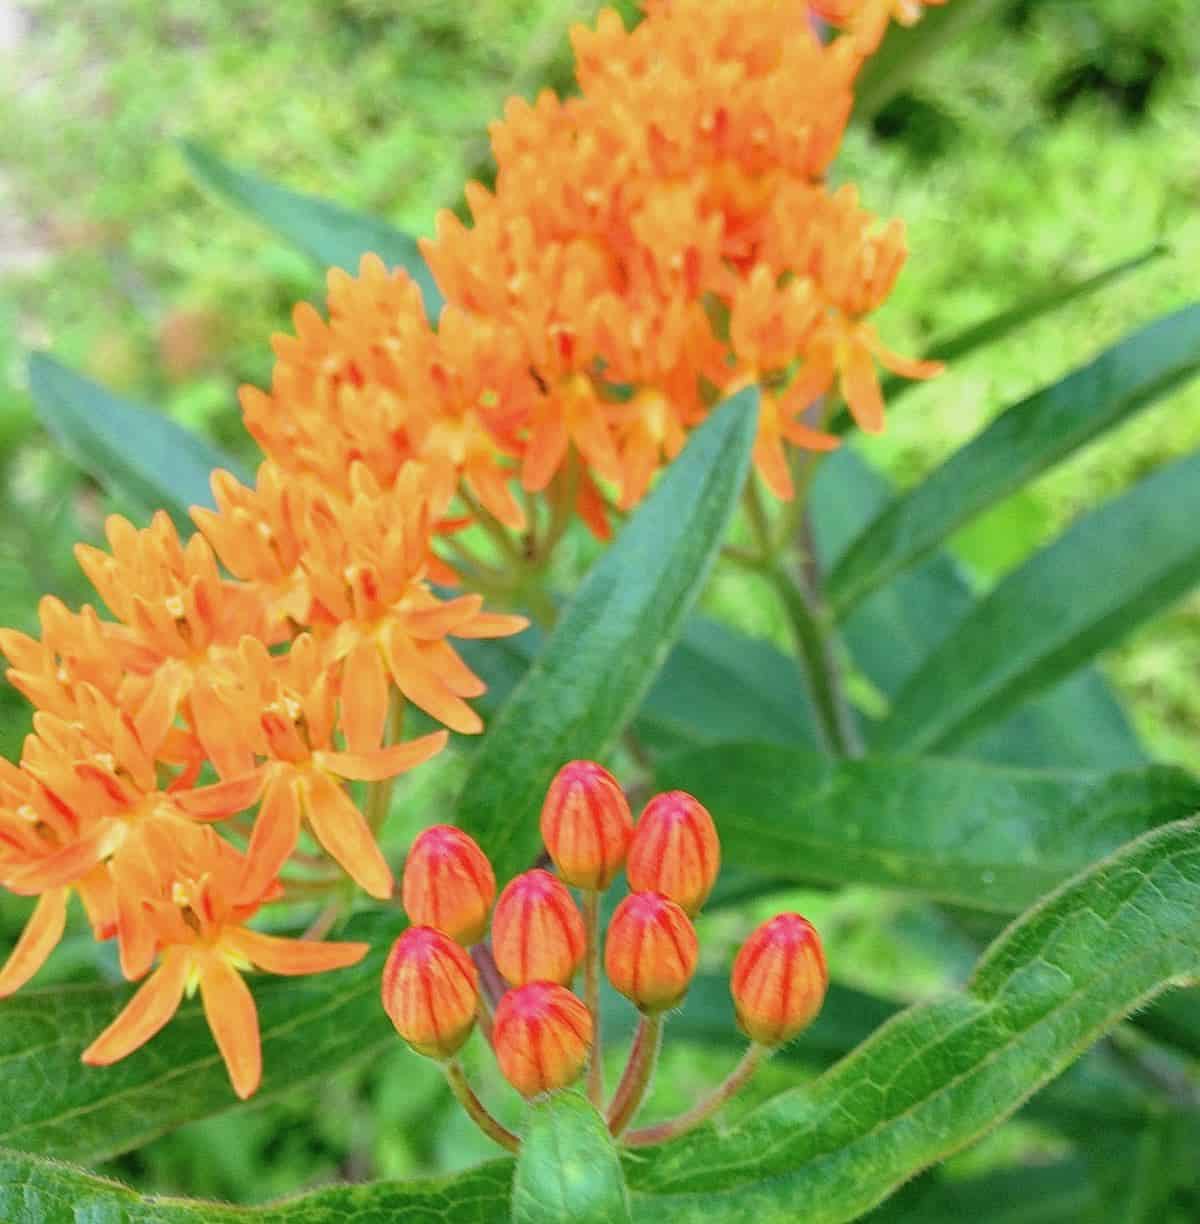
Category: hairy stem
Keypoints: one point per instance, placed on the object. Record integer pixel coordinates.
(476, 1110)
(591, 993)
(702, 1110)
(643, 1055)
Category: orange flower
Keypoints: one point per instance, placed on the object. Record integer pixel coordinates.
(284, 708)
(203, 941)
(867, 20)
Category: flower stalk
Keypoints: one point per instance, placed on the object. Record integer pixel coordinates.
(476, 1110)
(591, 993)
(639, 1070)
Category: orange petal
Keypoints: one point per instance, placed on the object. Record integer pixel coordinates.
(220, 731)
(771, 464)
(339, 826)
(382, 762)
(39, 938)
(492, 625)
(231, 1014)
(490, 485)
(431, 624)
(906, 367)
(276, 831)
(364, 697)
(167, 689)
(447, 664)
(136, 943)
(222, 799)
(69, 864)
(425, 688)
(860, 388)
(293, 957)
(155, 1003)
(544, 453)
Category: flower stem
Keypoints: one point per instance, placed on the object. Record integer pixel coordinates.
(643, 1055)
(491, 985)
(476, 1110)
(702, 1110)
(835, 720)
(591, 993)
(379, 794)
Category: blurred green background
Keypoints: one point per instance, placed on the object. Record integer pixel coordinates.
(1055, 138)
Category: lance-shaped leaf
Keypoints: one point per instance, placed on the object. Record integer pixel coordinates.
(327, 232)
(33, 1189)
(1018, 445)
(55, 1106)
(975, 835)
(1113, 569)
(568, 1171)
(611, 640)
(943, 1073)
(139, 455)
(1076, 724)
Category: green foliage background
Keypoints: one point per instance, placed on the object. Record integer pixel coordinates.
(1057, 138)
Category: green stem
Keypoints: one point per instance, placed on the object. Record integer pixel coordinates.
(643, 1055)
(704, 1109)
(591, 993)
(835, 720)
(476, 1110)
(379, 794)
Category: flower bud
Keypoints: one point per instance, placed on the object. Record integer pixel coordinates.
(675, 851)
(537, 931)
(448, 884)
(650, 951)
(779, 980)
(586, 825)
(430, 991)
(542, 1034)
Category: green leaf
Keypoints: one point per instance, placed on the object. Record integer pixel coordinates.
(943, 1073)
(1022, 442)
(136, 453)
(1113, 569)
(975, 835)
(56, 1107)
(905, 53)
(1077, 724)
(567, 1169)
(612, 638)
(35, 1191)
(330, 234)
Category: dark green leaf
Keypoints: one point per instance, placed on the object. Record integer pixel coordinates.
(1113, 569)
(1077, 724)
(55, 1106)
(943, 1073)
(35, 1191)
(975, 835)
(1021, 443)
(138, 454)
(611, 640)
(905, 53)
(330, 234)
(567, 1170)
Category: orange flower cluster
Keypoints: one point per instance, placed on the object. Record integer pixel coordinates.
(542, 1034)
(651, 245)
(867, 20)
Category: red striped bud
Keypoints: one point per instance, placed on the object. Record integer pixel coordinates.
(586, 825)
(779, 980)
(675, 851)
(430, 991)
(537, 931)
(542, 1034)
(650, 951)
(449, 884)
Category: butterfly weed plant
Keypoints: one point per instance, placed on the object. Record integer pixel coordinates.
(657, 328)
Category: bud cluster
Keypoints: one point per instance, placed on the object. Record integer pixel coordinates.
(519, 987)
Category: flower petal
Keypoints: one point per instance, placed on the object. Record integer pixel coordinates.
(154, 1004)
(222, 799)
(39, 938)
(231, 1014)
(339, 826)
(437, 621)
(382, 762)
(364, 697)
(293, 957)
(276, 831)
(424, 687)
(860, 387)
(71, 863)
(492, 625)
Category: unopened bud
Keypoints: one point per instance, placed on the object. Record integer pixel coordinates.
(675, 850)
(586, 825)
(650, 951)
(542, 1034)
(449, 884)
(779, 980)
(430, 991)
(537, 931)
